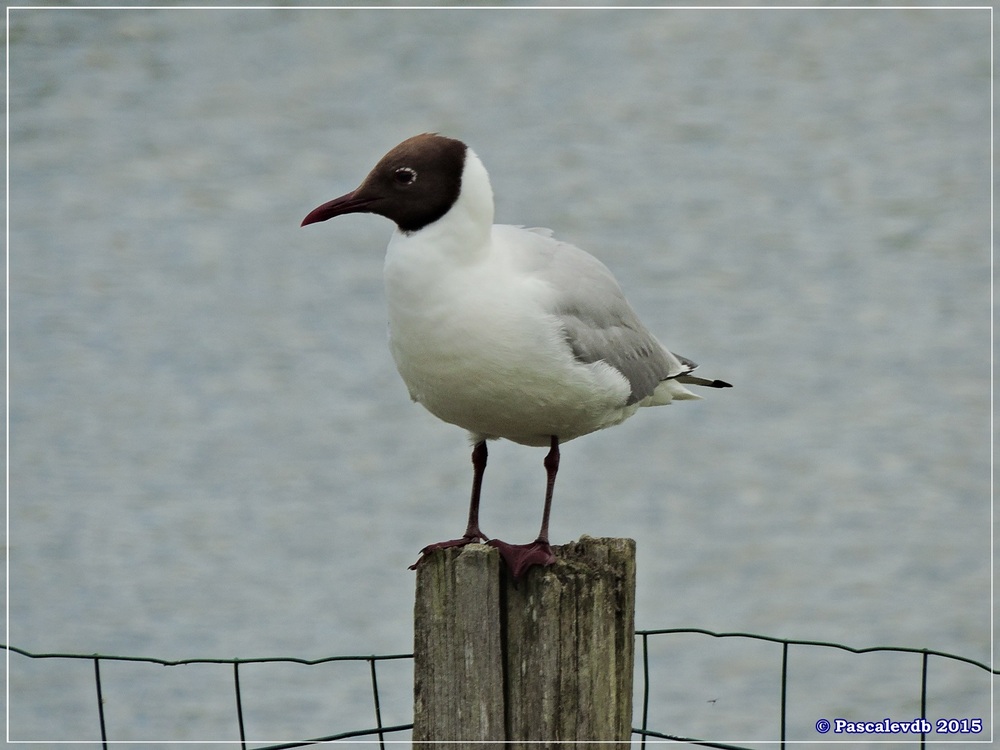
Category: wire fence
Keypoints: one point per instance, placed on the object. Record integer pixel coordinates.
(379, 731)
(644, 732)
(382, 733)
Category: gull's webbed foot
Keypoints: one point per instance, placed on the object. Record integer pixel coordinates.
(520, 557)
(460, 542)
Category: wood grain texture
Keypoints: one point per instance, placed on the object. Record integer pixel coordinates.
(548, 660)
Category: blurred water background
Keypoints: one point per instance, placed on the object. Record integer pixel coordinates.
(211, 454)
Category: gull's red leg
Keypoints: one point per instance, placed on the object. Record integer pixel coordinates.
(520, 557)
(472, 532)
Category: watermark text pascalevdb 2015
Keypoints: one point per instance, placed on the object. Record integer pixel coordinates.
(918, 725)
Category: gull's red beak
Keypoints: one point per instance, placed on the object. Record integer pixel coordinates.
(346, 204)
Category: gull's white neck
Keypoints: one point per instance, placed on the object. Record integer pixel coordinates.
(460, 236)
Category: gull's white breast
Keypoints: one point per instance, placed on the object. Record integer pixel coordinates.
(477, 341)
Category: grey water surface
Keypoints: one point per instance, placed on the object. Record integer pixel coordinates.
(211, 454)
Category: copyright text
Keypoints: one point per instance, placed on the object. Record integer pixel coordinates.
(888, 726)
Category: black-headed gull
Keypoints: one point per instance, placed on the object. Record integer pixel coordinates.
(503, 331)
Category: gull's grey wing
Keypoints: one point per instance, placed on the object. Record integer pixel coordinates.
(599, 323)
(619, 339)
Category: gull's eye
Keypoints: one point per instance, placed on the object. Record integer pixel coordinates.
(405, 176)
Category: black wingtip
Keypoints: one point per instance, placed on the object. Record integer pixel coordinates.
(702, 382)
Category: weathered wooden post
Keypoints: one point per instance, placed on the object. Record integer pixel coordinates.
(457, 653)
(549, 659)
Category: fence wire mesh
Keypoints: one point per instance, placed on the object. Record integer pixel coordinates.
(382, 733)
(788, 645)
